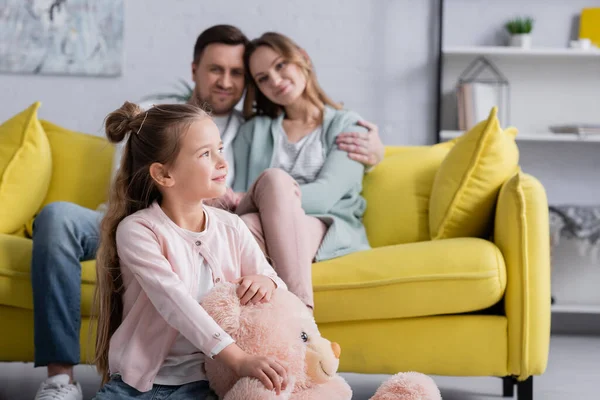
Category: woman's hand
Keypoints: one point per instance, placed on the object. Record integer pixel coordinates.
(366, 148)
(255, 289)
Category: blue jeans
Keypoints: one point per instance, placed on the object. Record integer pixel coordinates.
(63, 235)
(117, 389)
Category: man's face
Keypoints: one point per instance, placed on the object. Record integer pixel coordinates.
(219, 76)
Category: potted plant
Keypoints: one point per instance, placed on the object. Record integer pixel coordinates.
(520, 32)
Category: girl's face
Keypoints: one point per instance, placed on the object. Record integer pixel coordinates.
(200, 169)
(280, 81)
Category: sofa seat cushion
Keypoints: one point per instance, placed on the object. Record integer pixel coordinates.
(15, 275)
(409, 280)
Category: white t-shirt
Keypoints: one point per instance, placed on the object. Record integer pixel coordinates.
(185, 363)
(304, 159)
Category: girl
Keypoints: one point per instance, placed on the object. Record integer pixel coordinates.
(303, 198)
(161, 250)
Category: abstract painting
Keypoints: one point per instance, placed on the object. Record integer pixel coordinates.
(61, 37)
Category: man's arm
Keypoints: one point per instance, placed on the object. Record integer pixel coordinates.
(364, 147)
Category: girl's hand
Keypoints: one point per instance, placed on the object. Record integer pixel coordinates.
(255, 289)
(266, 369)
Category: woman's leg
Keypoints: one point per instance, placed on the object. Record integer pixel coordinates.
(252, 221)
(291, 238)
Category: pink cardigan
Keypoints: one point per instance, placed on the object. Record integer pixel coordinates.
(158, 260)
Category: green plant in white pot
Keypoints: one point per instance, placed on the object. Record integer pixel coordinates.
(520, 32)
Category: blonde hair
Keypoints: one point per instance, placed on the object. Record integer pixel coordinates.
(151, 136)
(256, 103)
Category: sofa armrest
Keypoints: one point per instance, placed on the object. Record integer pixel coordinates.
(521, 232)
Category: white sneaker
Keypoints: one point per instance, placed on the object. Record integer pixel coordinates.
(59, 388)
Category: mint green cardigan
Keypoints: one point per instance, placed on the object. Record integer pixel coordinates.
(334, 197)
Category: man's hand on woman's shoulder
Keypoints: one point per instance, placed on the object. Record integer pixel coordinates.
(364, 147)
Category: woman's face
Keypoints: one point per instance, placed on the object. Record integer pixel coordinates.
(280, 81)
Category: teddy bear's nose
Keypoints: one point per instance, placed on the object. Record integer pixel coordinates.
(337, 350)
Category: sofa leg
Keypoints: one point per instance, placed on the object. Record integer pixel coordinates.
(525, 389)
(508, 386)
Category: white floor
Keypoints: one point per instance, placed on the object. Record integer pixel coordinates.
(572, 374)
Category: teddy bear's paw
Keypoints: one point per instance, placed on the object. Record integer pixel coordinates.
(408, 386)
(253, 389)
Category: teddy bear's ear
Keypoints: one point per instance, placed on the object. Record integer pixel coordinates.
(223, 305)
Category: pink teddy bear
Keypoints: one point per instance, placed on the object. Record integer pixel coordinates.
(286, 330)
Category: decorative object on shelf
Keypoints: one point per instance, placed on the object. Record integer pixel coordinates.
(581, 223)
(581, 44)
(589, 25)
(520, 32)
(481, 86)
(582, 130)
(60, 37)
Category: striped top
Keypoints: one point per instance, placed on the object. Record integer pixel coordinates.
(304, 159)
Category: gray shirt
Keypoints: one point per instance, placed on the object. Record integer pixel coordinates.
(304, 159)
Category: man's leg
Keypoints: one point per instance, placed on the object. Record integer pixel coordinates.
(291, 237)
(63, 235)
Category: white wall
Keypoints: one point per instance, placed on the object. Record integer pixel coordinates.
(375, 56)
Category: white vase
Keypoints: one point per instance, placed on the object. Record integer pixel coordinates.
(522, 40)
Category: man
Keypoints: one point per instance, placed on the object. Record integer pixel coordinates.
(65, 234)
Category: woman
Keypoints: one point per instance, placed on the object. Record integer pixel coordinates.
(302, 199)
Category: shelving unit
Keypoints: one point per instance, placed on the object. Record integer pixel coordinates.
(535, 137)
(575, 309)
(549, 86)
(503, 51)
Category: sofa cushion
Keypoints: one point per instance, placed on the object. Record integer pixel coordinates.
(79, 161)
(467, 183)
(408, 280)
(25, 168)
(397, 193)
(15, 275)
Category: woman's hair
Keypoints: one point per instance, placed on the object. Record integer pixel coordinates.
(256, 103)
(151, 136)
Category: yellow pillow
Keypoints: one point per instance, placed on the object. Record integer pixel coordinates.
(397, 193)
(466, 185)
(25, 168)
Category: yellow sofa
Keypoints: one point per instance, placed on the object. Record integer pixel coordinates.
(458, 307)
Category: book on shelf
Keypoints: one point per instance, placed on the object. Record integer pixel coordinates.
(475, 100)
(576, 129)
